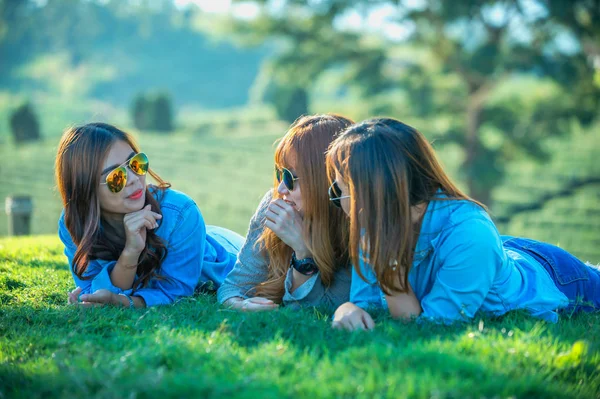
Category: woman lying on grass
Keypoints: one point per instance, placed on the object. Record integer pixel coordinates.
(296, 249)
(430, 250)
(128, 243)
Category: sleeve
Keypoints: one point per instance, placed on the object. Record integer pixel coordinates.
(182, 267)
(365, 294)
(470, 256)
(313, 293)
(251, 266)
(98, 271)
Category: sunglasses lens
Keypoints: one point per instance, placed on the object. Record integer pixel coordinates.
(117, 179)
(334, 193)
(139, 164)
(288, 179)
(278, 175)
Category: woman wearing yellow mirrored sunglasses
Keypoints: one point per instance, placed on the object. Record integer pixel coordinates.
(130, 243)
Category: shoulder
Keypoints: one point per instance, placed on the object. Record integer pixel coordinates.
(464, 215)
(264, 204)
(261, 210)
(179, 210)
(63, 233)
(468, 224)
(173, 199)
(256, 222)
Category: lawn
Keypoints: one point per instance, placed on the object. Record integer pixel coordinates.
(195, 348)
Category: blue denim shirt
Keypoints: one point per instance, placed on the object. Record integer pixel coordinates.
(460, 267)
(194, 254)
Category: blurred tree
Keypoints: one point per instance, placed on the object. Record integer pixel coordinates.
(290, 102)
(24, 124)
(152, 112)
(163, 113)
(140, 112)
(469, 50)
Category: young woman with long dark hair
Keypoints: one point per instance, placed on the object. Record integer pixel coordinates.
(131, 243)
(421, 247)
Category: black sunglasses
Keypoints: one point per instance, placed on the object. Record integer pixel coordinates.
(287, 177)
(335, 194)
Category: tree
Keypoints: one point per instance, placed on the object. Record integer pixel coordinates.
(476, 45)
(24, 124)
(152, 112)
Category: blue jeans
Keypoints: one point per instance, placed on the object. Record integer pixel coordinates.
(580, 282)
(230, 240)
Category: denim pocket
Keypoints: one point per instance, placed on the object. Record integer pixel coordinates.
(566, 267)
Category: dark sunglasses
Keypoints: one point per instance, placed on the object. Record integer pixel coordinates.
(117, 178)
(335, 194)
(287, 177)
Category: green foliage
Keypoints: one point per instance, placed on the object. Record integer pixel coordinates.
(110, 50)
(196, 348)
(458, 54)
(152, 112)
(290, 102)
(24, 124)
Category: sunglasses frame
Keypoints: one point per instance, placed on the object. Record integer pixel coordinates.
(279, 175)
(124, 169)
(334, 197)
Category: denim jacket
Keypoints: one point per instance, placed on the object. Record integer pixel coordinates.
(460, 267)
(194, 256)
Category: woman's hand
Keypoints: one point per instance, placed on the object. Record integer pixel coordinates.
(255, 304)
(99, 298)
(350, 317)
(135, 224)
(285, 221)
(73, 296)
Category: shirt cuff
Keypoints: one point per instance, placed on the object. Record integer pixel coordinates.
(301, 292)
(227, 291)
(153, 298)
(102, 281)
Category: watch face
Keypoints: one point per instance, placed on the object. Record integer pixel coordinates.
(304, 266)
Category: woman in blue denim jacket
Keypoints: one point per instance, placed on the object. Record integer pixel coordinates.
(128, 243)
(423, 248)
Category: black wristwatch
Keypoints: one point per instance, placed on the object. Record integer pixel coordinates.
(306, 266)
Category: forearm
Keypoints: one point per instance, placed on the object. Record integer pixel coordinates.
(404, 305)
(123, 273)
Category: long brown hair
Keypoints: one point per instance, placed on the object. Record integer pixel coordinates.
(325, 231)
(388, 167)
(81, 152)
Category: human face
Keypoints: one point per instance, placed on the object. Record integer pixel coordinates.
(344, 193)
(133, 195)
(292, 197)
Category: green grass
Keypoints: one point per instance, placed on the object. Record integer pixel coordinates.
(198, 349)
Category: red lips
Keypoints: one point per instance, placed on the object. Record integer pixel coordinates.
(136, 195)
